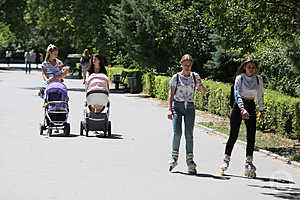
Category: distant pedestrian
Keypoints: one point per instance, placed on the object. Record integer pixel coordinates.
(248, 86)
(84, 63)
(8, 55)
(27, 56)
(181, 105)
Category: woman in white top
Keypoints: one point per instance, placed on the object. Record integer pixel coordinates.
(181, 105)
(248, 86)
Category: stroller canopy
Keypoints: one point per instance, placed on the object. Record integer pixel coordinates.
(97, 82)
(57, 91)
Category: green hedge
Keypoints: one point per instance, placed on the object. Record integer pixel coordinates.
(282, 112)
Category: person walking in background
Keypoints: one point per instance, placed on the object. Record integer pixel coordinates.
(248, 85)
(27, 56)
(84, 62)
(8, 55)
(181, 105)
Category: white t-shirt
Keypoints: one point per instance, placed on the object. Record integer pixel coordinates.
(185, 87)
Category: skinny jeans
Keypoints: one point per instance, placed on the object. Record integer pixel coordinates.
(187, 113)
(235, 122)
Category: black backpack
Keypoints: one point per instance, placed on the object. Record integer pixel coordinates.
(231, 97)
(177, 78)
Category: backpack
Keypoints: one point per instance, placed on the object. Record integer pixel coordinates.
(177, 78)
(231, 97)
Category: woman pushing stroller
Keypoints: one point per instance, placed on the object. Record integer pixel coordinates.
(52, 68)
(96, 111)
(56, 97)
(96, 67)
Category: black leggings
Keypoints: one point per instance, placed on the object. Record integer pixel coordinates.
(235, 122)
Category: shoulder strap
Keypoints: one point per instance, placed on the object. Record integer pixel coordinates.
(177, 77)
(194, 78)
(257, 80)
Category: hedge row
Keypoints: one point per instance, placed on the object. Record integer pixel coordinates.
(282, 113)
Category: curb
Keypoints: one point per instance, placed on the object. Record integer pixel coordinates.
(268, 153)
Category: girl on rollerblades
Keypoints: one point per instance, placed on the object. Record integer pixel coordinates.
(181, 105)
(248, 86)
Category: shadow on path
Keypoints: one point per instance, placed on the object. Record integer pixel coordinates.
(202, 175)
(102, 136)
(281, 192)
(61, 135)
(263, 179)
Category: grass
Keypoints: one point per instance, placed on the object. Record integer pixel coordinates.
(269, 141)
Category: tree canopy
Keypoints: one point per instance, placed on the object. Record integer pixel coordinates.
(153, 35)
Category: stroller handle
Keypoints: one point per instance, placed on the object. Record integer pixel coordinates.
(54, 102)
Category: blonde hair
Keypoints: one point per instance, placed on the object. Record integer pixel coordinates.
(185, 58)
(85, 53)
(50, 49)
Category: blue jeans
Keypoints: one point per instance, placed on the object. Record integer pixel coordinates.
(27, 63)
(188, 113)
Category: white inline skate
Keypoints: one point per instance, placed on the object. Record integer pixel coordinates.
(250, 168)
(225, 164)
(173, 161)
(191, 164)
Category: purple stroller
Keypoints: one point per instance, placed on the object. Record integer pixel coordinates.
(56, 109)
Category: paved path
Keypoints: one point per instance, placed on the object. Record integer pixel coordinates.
(132, 164)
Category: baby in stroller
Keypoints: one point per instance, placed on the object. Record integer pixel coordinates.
(56, 109)
(96, 110)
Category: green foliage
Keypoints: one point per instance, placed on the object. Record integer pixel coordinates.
(276, 68)
(135, 25)
(6, 36)
(223, 63)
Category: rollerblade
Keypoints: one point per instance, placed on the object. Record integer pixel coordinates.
(191, 164)
(225, 164)
(250, 168)
(173, 161)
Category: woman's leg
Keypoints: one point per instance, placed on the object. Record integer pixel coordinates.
(29, 66)
(177, 125)
(235, 122)
(26, 63)
(189, 121)
(251, 129)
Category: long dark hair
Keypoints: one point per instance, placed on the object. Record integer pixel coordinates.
(92, 65)
(242, 69)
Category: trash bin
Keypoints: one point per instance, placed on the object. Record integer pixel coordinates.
(132, 84)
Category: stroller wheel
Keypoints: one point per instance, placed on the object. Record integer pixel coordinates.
(81, 128)
(67, 129)
(86, 131)
(42, 128)
(109, 129)
(49, 132)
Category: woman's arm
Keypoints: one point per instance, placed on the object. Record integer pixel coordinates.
(260, 98)
(170, 102)
(202, 88)
(44, 74)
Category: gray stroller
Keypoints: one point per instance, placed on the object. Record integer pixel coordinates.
(96, 107)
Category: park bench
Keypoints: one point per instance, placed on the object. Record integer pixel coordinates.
(119, 79)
